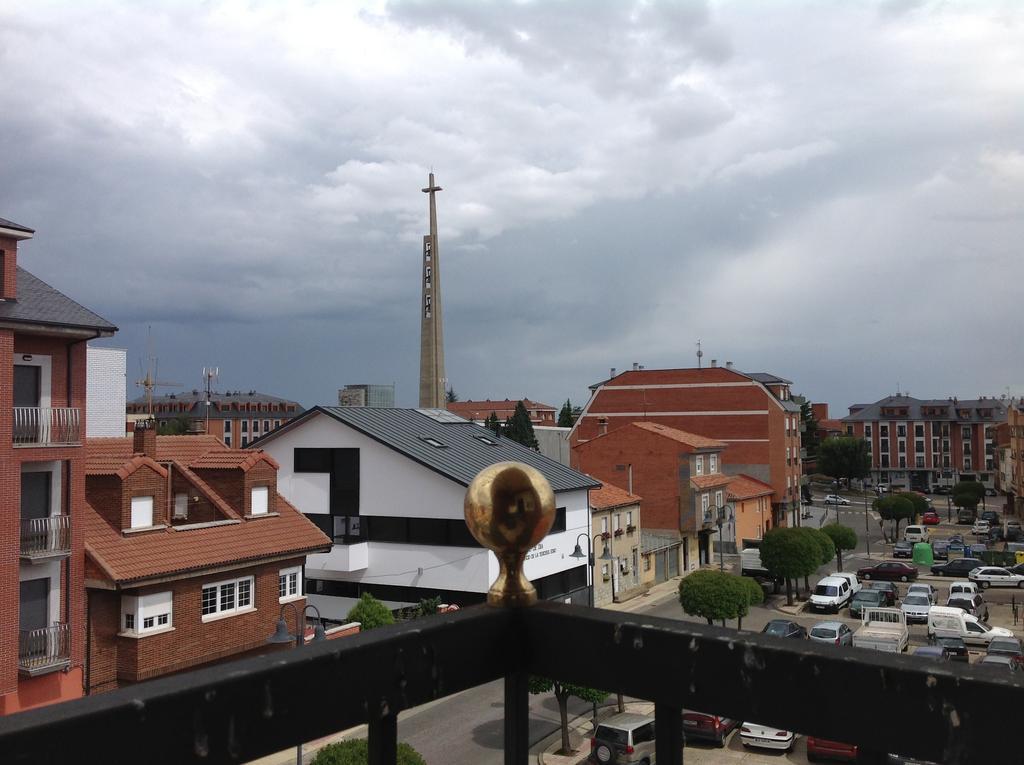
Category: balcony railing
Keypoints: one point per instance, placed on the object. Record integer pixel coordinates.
(44, 650)
(46, 426)
(43, 538)
(238, 711)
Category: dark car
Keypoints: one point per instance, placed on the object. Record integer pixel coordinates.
(957, 567)
(1003, 664)
(963, 515)
(940, 549)
(903, 550)
(941, 490)
(866, 598)
(1018, 569)
(956, 546)
(956, 647)
(705, 727)
(1012, 533)
(890, 571)
(991, 516)
(935, 652)
(785, 629)
(995, 534)
(973, 604)
(1010, 647)
(889, 589)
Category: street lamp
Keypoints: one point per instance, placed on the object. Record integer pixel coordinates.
(281, 636)
(579, 554)
(722, 511)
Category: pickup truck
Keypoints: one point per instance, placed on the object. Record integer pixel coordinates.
(883, 629)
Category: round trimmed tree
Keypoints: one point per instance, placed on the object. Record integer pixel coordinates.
(843, 538)
(356, 752)
(788, 554)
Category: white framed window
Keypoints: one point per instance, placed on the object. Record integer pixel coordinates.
(713, 463)
(604, 524)
(181, 505)
(142, 512)
(629, 517)
(705, 502)
(227, 427)
(718, 499)
(227, 597)
(142, 614)
(289, 584)
(259, 500)
(700, 464)
(618, 521)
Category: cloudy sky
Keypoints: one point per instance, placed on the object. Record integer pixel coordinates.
(830, 191)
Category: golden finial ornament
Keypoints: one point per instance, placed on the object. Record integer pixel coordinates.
(509, 509)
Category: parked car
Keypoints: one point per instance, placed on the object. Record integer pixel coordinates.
(705, 727)
(916, 533)
(903, 550)
(889, 589)
(980, 528)
(963, 515)
(1011, 647)
(883, 629)
(940, 549)
(823, 749)
(1011, 533)
(934, 652)
(955, 647)
(977, 549)
(882, 488)
(836, 633)
(623, 738)
(763, 737)
(1002, 664)
(941, 490)
(996, 534)
(930, 519)
(956, 537)
(1018, 569)
(973, 604)
(923, 588)
(954, 622)
(991, 516)
(835, 499)
(915, 607)
(784, 628)
(963, 588)
(955, 546)
(957, 567)
(830, 594)
(866, 599)
(993, 576)
(888, 571)
(855, 585)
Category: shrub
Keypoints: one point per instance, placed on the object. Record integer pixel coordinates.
(355, 752)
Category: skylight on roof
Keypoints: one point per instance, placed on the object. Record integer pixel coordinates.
(433, 442)
(441, 415)
(486, 440)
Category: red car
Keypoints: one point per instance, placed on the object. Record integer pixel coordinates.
(822, 748)
(930, 519)
(889, 571)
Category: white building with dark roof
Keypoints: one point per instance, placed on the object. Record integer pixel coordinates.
(388, 486)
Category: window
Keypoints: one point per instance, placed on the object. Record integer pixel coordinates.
(559, 524)
(901, 431)
(919, 447)
(222, 598)
(883, 431)
(713, 463)
(965, 431)
(867, 430)
(705, 502)
(885, 460)
(227, 426)
(245, 441)
(433, 442)
(919, 431)
(142, 512)
(920, 461)
(629, 518)
(700, 464)
(259, 500)
(147, 613)
(604, 524)
(227, 439)
(849, 430)
(266, 426)
(901, 447)
(718, 499)
(245, 426)
(289, 584)
(618, 521)
(181, 505)
(967, 463)
(903, 461)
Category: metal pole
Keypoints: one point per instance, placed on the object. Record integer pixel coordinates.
(867, 528)
(721, 548)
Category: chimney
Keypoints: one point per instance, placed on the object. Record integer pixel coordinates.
(728, 365)
(612, 373)
(144, 438)
(635, 366)
(602, 426)
(714, 362)
(10, 235)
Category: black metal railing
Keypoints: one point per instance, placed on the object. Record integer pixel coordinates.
(234, 712)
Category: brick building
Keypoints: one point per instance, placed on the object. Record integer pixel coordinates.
(43, 336)
(752, 413)
(1015, 457)
(677, 473)
(236, 417)
(921, 443)
(191, 555)
(478, 411)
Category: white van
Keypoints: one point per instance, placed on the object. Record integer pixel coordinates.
(831, 594)
(963, 587)
(915, 534)
(855, 585)
(944, 621)
(750, 562)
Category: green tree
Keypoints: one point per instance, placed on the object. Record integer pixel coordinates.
(844, 457)
(714, 595)
(355, 752)
(843, 538)
(826, 550)
(966, 498)
(753, 595)
(370, 613)
(809, 438)
(893, 508)
(920, 503)
(565, 418)
(493, 424)
(179, 426)
(563, 691)
(519, 428)
(428, 606)
(970, 487)
(450, 396)
(788, 554)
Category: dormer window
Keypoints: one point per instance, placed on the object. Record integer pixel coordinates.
(259, 500)
(142, 512)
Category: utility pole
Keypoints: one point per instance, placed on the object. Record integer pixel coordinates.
(149, 382)
(209, 375)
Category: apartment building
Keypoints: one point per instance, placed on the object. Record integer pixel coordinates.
(192, 556)
(1015, 457)
(388, 486)
(236, 417)
(921, 443)
(43, 335)
(615, 533)
(678, 474)
(753, 414)
(478, 411)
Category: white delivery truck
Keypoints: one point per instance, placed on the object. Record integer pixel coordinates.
(946, 621)
(883, 629)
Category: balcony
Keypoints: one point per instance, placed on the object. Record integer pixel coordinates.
(44, 650)
(45, 538)
(47, 426)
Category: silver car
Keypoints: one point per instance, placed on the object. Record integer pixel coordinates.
(836, 633)
(624, 739)
(915, 607)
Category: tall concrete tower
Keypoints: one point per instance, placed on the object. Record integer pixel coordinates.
(432, 378)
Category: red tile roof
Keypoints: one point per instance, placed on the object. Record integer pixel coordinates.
(232, 458)
(744, 487)
(690, 439)
(135, 558)
(709, 481)
(105, 456)
(482, 409)
(609, 496)
(135, 463)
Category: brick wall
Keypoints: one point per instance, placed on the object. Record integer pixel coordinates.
(229, 485)
(260, 475)
(192, 642)
(10, 533)
(8, 280)
(200, 509)
(144, 482)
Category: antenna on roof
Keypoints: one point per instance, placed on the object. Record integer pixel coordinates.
(209, 375)
(152, 365)
(700, 354)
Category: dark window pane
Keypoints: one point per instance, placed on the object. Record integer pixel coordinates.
(312, 460)
(385, 529)
(427, 531)
(559, 524)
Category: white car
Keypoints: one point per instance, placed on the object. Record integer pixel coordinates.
(924, 589)
(763, 737)
(835, 499)
(831, 594)
(992, 576)
(915, 607)
(980, 528)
